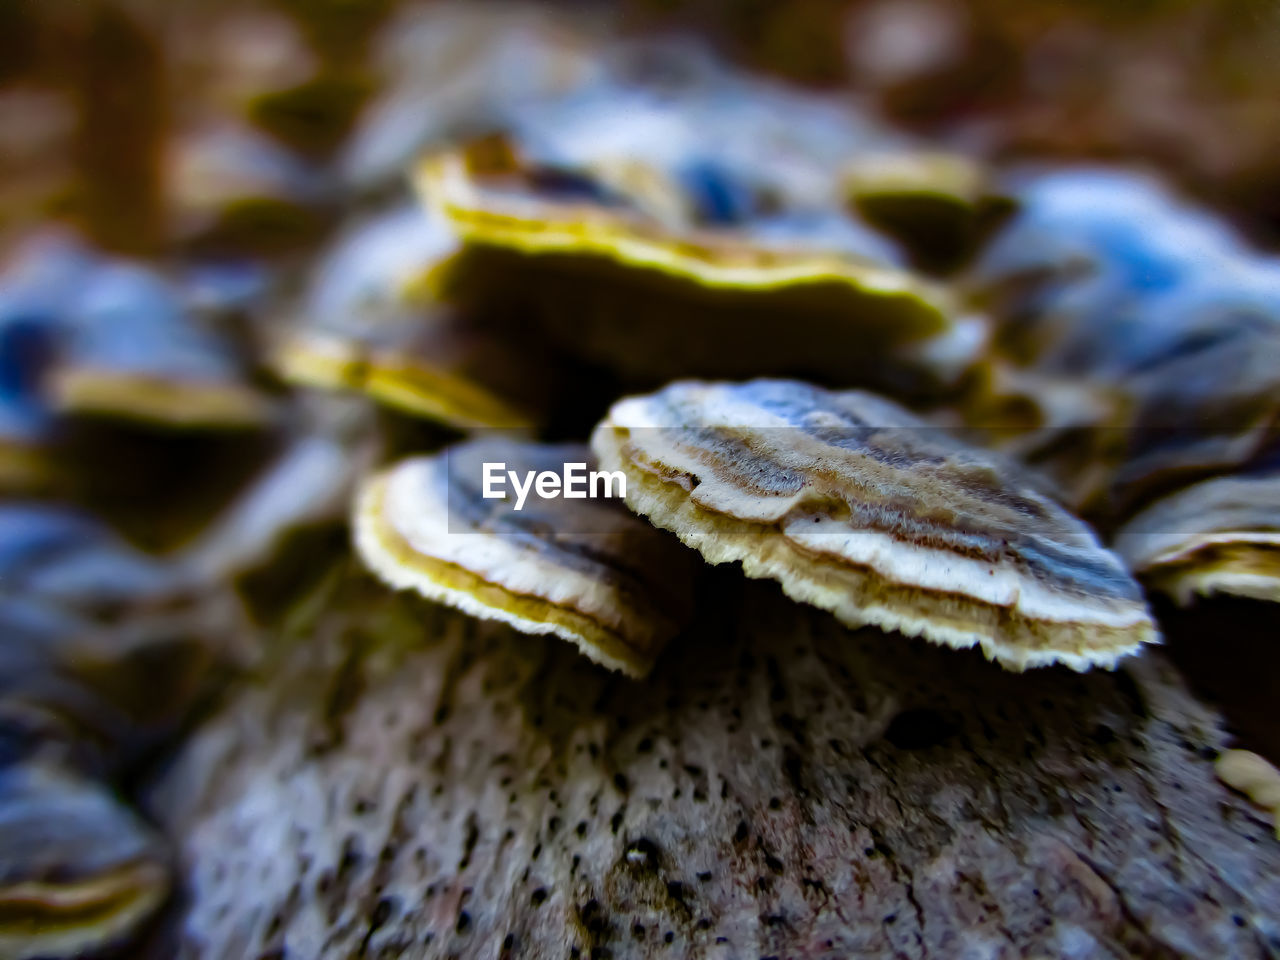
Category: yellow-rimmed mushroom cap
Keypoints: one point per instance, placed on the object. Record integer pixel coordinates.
(364, 329)
(1218, 536)
(627, 289)
(157, 400)
(491, 199)
(1253, 776)
(857, 506)
(581, 568)
(134, 352)
(936, 203)
(80, 871)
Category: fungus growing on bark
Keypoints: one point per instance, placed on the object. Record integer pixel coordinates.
(625, 288)
(1218, 536)
(857, 506)
(363, 329)
(80, 871)
(580, 567)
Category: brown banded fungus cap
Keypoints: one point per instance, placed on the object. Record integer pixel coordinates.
(858, 507)
(583, 569)
(1218, 536)
(629, 289)
(362, 329)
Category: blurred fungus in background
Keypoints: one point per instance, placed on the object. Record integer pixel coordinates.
(277, 275)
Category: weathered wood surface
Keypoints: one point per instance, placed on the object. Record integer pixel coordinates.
(407, 782)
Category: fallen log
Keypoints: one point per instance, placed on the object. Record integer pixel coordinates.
(404, 781)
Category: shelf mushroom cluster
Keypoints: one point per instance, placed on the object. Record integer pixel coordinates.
(985, 408)
(850, 500)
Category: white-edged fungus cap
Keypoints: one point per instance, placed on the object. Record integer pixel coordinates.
(856, 506)
(583, 569)
(1218, 536)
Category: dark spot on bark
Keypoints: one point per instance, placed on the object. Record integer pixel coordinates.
(592, 917)
(464, 922)
(668, 937)
(350, 858)
(644, 746)
(469, 841)
(620, 782)
(704, 876)
(1129, 688)
(741, 833)
(1103, 735)
(919, 729)
(637, 931)
(538, 896)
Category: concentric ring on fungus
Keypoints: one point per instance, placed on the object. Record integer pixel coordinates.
(858, 507)
(585, 570)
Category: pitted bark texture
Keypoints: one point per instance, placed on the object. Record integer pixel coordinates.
(408, 782)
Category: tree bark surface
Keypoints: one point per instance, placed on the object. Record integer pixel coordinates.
(404, 781)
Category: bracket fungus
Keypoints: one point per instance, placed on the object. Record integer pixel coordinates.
(231, 187)
(855, 505)
(589, 261)
(81, 333)
(133, 352)
(939, 204)
(1217, 536)
(80, 872)
(88, 625)
(1140, 334)
(1253, 776)
(364, 329)
(583, 569)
